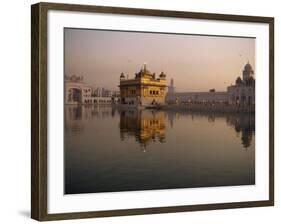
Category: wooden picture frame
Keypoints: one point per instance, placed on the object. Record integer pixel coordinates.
(39, 105)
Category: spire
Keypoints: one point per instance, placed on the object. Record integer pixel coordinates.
(122, 76)
(172, 82)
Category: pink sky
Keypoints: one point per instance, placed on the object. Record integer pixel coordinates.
(196, 63)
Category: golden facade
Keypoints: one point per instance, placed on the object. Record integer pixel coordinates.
(144, 90)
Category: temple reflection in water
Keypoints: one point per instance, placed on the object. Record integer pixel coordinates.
(150, 126)
(105, 145)
(244, 126)
(145, 125)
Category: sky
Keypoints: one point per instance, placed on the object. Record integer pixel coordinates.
(196, 63)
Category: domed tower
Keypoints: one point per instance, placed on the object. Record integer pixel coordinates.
(162, 75)
(238, 81)
(122, 76)
(247, 72)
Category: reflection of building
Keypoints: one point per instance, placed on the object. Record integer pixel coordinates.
(245, 125)
(242, 93)
(78, 92)
(76, 116)
(144, 89)
(72, 118)
(145, 125)
(149, 126)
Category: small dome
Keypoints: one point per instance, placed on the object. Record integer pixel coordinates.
(162, 75)
(238, 81)
(248, 67)
(250, 81)
(122, 76)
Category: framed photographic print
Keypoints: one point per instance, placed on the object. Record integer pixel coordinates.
(140, 111)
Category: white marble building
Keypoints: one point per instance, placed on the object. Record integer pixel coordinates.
(202, 97)
(78, 92)
(242, 93)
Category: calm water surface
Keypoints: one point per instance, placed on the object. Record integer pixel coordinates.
(108, 149)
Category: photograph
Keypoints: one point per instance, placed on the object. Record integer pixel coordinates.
(156, 111)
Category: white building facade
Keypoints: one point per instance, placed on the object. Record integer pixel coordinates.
(78, 92)
(242, 93)
(202, 97)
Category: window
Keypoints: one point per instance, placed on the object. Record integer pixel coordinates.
(133, 91)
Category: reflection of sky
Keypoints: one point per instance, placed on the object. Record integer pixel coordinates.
(148, 126)
(195, 62)
(109, 150)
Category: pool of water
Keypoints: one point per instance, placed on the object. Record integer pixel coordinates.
(107, 149)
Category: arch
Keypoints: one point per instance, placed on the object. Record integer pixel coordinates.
(74, 95)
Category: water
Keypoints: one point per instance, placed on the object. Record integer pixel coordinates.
(109, 150)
